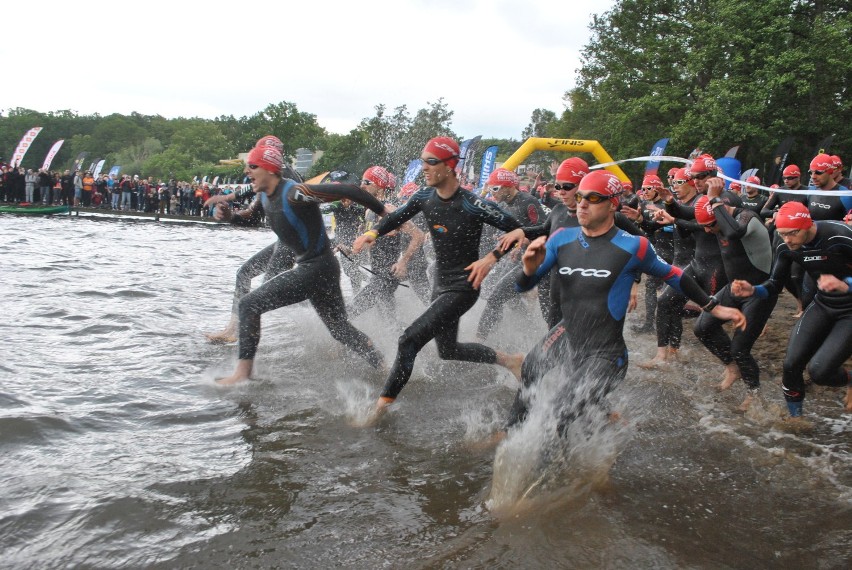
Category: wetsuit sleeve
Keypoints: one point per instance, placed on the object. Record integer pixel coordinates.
(526, 282)
(682, 211)
(251, 216)
(729, 226)
(494, 215)
(626, 224)
(673, 276)
(779, 274)
(769, 207)
(538, 230)
(401, 215)
(320, 193)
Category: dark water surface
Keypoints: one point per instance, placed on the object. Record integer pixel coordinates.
(119, 451)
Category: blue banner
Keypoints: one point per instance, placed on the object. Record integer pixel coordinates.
(489, 159)
(466, 151)
(113, 172)
(412, 171)
(657, 150)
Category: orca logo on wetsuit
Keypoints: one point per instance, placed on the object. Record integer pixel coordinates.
(584, 272)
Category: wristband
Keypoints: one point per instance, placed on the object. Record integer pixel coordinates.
(373, 233)
(715, 200)
(711, 304)
(497, 254)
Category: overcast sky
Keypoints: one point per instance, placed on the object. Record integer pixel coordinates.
(493, 62)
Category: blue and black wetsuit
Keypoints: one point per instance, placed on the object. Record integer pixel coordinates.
(294, 215)
(595, 276)
(822, 338)
(455, 225)
(747, 255)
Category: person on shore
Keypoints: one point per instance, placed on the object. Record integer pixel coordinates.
(503, 185)
(747, 256)
(826, 206)
(388, 260)
(596, 264)
(292, 210)
(822, 338)
(456, 217)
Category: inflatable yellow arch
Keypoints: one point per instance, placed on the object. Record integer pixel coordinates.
(563, 145)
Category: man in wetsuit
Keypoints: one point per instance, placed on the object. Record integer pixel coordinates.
(292, 210)
(596, 264)
(503, 185)
(826, 206)
(822, 338)
(746, 255)
(455, 218)
(751, 198)
(388, 260)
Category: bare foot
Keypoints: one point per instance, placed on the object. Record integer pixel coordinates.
(224, 337)
(654, 363)
(512, 363)
(732, 373)
(488, 443)
(373, 416)
(847, 401)
(241, 374)
(749, 400)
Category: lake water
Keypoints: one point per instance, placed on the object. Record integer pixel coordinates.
(119, 451)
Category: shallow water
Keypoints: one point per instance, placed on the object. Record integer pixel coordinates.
(119, 451)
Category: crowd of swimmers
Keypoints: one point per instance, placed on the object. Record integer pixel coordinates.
(698, 245)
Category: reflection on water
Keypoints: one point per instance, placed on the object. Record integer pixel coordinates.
(118, 450)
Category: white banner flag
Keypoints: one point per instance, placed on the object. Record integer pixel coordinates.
(99, 167)
(24, 146)
(53, 150)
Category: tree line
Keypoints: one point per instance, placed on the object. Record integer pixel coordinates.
(708, 74)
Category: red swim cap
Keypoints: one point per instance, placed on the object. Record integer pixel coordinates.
(652, 180)
(267, 157)
(794, 216)
(736, 187)
(627, 186)
(503, 177)
(379, 176)
(683, 174)
(572, 170)
(672, 171)
(704, 211)
(838, 164)
(703, 163)
(407, 190)
(792, 170)
(753, 180)
(822, 162)
(271, 140)
(602, 182)
(444, 148)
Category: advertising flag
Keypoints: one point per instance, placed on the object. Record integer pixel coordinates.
(779, 161)
(466, 151)
(657, 150)
(53, 150)
(489, 159)
(412, 171)
(98, 167)
(113, 172)
(24, 146)
(78, 163)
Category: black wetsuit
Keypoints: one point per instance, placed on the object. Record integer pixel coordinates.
(662, 238)
(380, 290)
(349, 222)
(755, 204)
(821, 340)
(823, 207)
(595, 277)
(293, 214)
(528, 211)
(705, 267)
(455, 226)
(747, 255)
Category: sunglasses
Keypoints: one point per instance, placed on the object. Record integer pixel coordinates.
(253, 166)
(564, 187)
(366, 182)
(648, 189)
(679, 182)
(791, 233)
(816, 172)
(791, 177)
(591, 197)
(701, 175)
(436, 161)
(494, 189)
